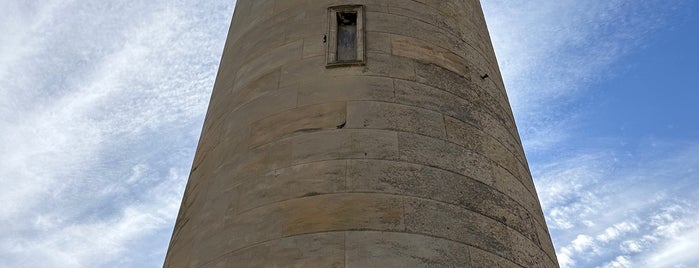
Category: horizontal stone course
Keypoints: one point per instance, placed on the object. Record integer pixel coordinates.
(448, 156)
(318, 250)
(391, 116)
(409, 179)
(441, 220)
(391, 249)
(291, 182)
(305, 118)
(324, 213)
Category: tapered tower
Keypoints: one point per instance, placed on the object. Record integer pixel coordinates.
(359, 133)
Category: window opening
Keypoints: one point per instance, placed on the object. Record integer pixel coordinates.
(345, 37)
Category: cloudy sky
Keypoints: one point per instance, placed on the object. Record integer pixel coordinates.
(102, 102)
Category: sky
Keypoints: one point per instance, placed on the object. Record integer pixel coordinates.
(102, 103)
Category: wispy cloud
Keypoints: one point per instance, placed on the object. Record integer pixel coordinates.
(606, 206)
(101, 105)
(550, 53)
(611, 215)
(101, 109)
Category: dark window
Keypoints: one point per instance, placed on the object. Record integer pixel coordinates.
(346, 36)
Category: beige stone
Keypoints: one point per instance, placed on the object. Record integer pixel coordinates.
(253, 226)
(317, 250)
(421, 181)
(301, 119)
(291, 182)
(392, 249)
(423, 51)
(345, 144)
(409, 159)
(346, 88)
(337, 212)
(453, 223)
(391, 116)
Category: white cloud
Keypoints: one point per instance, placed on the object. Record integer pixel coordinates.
(632, 246)
(619, 262)
(104, 102)
(605, 207)
(617, 230)
(639, 230)
(101, 102)
(550, 52)
(678, 251)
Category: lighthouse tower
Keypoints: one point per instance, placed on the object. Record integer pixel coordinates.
(359, 133)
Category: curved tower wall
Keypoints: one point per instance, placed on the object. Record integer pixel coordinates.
(409, 160)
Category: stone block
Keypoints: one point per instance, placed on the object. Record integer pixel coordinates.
(428, 97)
(413, 9)
(256, 87)
(463, 86)
(253, 226)
(312, 250)
(336, 212)
(345, 88)
(261, 159)
(291, 182)
(454, 223)
(389, 249)
(219, 263)
(313, 47)
(265, 105)
(472, 138)
(305, 28)
(445, 155)
(454, 158)
(272, 59)
(379, 64)
(421, 181)
(345, 144)
(429, 53)
(484, 259)
(391, 116)
(378, 42)
(298, 120)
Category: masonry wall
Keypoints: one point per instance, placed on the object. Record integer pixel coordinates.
(412, 160)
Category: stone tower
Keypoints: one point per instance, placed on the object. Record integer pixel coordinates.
(359, 133)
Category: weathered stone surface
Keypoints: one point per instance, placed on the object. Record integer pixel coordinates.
(439, 153)
(391, 116)
(302, 119)
(474, 139)
(453, 223)
(390, 249)
(378, 42)
(271, 60)
(261, 159)
(337, 212)
(315, 90)
(407, 179)
(345, 144)
(312, 250)
(423, 51)
(409, 160)
(291, 182)
(253, 226)
(484, 259)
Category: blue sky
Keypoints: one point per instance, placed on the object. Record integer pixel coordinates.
(101, 105)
